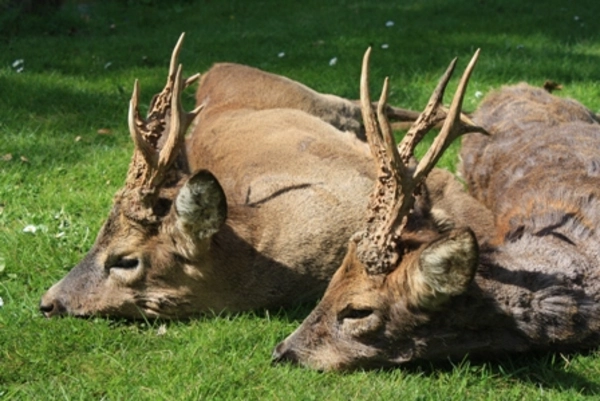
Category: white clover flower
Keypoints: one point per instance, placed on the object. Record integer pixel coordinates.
(389, 24)
(385, 46)
(333, 61)
(478, 94)
(281, 54)
(30, 229)
(18, 65)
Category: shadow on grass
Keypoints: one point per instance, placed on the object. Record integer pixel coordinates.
(53, 115)
(548, 370)
(293, 314)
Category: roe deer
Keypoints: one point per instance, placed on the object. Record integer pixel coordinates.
(252, 210)
(396, 265)
(409, 291)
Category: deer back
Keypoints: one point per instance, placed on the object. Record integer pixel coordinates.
(540, 147)
(229, 86)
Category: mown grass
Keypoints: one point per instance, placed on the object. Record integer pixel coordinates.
(63, 123)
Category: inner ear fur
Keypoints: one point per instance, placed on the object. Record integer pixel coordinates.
(445, 268)
(201, 206)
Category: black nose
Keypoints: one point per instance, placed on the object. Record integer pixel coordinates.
(282, 353)
(51, 307)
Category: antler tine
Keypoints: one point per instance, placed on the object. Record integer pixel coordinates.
(371, 128)
(173, 66)
(377, 127)
(179, 120)
(189, 116)
(175, 134)
(134, 121)
(386, 129)
(191, 80)
(452, 128)
(427, 119)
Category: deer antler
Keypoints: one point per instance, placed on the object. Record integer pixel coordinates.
(398, 183)
(158, 139)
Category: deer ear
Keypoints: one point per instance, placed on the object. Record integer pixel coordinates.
(201, 205)
(446, 267)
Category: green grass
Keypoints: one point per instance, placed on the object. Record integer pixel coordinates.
(79, 67)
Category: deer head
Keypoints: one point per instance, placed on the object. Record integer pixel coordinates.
(160, 224)
(405, 265)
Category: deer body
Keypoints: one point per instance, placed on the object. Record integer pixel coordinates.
(538, 172)
(532, 284)
(252, 211)
(295, 188)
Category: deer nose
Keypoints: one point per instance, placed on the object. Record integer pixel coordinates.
(51, 307)
(282, 353)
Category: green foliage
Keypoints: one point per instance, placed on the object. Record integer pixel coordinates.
(64, 151)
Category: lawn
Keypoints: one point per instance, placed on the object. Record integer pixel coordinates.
(65, 82)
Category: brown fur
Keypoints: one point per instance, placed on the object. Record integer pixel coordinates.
(234, 87)
(537, 283)
(544, 197)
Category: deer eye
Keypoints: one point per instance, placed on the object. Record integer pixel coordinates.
(124, 263)
(360, 322)
(355, 313)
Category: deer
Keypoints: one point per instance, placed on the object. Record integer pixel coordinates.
(251, 210)
(410, 289)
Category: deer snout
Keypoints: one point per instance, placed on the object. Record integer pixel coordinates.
(283, 353)
(50, 306)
